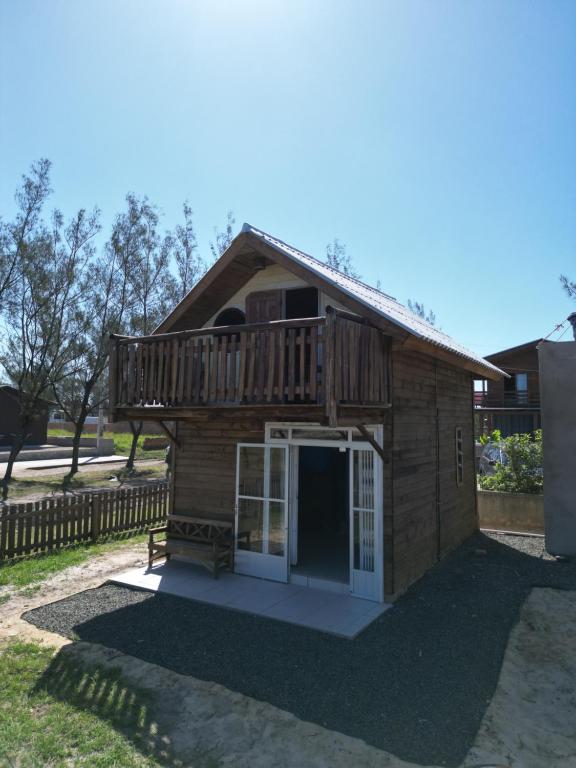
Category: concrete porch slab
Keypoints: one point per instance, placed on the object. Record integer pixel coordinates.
(337, 614)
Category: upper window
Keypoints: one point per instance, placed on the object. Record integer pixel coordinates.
(230, 316)
(301, 302)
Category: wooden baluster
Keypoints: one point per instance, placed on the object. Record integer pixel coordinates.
(302, 363)
(174, 376)
(271, 365)
(182, 368)
(281, 363)
(223, 372)
(231, 393)
(251, 363)
(242, 375)
(160, 371)
(167, 371)
(313, 361)
(198, 361)
(291, 365)
(207, 366)
(214, 369)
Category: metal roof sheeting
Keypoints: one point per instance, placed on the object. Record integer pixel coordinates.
(385, 305)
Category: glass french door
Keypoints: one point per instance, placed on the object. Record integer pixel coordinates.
(262, 511)
(365, 535)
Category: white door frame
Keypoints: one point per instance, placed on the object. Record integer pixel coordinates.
(374, 590)
(293, 496)
(262, 564)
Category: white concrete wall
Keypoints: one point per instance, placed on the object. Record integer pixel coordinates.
(558, 403)
(268, 279)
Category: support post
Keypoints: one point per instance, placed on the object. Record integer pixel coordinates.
(330, 368)
(112, 378)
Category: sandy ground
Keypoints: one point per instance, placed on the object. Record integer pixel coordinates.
(94, 572)
(530, 722)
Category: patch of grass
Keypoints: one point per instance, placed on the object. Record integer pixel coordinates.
(122, 442)
(39, 567)
(31, 591)
(56, 712)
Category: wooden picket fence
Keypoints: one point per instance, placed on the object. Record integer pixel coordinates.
(58, 521)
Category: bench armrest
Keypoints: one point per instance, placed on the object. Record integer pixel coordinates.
(153, 531)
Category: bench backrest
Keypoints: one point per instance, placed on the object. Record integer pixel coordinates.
(198, 529)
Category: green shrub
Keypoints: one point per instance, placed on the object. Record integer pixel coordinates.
(523, 471)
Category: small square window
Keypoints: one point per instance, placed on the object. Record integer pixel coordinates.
(459, 457)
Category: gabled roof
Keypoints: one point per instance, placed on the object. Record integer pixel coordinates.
(529, 345)
(14, 392)
(376, 303)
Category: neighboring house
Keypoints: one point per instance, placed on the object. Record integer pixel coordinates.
(10, 418)
(334, 425)
(512, 404)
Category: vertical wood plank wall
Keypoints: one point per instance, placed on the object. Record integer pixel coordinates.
(422, 531)
(204, 480)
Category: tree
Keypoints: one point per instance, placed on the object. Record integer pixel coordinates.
(44, 293)
(568, 286)
(182, 246)
(338, 258)
(101, 311)
(522, 472)
(15, 235)
(420, 310)
(145, 262)
(223, 237)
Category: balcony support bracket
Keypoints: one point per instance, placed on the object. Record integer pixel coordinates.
(370, 439)
(169, 434)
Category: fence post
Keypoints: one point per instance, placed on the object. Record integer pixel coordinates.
(95, 504)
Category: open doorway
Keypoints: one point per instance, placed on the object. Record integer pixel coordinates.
(323, 550)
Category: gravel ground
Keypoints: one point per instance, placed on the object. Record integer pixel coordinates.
(415, 683)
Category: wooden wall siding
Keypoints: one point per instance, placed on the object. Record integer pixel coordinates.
(432, 515)
(332, 360)
(204, 477)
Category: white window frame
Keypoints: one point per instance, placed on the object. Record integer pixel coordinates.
(344, 441)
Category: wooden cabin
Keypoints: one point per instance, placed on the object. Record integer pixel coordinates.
(511, 404)
(10, 418)
(331, 424)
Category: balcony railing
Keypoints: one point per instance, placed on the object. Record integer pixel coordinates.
(519, 399)
(327, 361)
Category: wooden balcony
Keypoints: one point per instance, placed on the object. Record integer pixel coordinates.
(507, 400)
(323, 361)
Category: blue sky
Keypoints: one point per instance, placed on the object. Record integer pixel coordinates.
(435, 138)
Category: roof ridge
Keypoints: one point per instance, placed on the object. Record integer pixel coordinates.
(248, 227)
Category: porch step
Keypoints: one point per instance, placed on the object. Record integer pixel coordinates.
(340, 587)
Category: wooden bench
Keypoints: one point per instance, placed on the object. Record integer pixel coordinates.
(207, 542)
